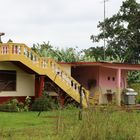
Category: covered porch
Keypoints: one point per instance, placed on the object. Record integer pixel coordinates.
(105, 79)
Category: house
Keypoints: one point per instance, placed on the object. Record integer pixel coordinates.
(24, 73)
(103, 78)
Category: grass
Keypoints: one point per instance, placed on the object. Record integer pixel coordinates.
(27, 125)
(64, 125)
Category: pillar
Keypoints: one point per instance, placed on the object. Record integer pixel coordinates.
(36, 86)
(62, 100)
(41, 85)
(118, 95)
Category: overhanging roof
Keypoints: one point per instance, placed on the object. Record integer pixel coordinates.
(113, 65)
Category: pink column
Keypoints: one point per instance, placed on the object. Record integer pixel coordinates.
(118, 95)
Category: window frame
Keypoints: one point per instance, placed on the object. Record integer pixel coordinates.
(15, 86)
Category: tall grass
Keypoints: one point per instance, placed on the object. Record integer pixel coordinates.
(96, 124)
(106, 125)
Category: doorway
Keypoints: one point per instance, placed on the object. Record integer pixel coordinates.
(92, 83)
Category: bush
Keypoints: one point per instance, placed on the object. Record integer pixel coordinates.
(71, 106)
(44, 103)
(133, 77)
(14, 105)
(136, 87)
(27, 103)
(9, 107)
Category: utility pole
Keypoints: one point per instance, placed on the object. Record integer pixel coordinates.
(104, 28)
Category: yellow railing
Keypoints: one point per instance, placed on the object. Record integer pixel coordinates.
(43, 63)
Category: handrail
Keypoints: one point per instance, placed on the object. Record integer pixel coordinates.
(42, 62)
(72, 79)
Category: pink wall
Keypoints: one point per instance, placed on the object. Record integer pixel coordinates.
(108, 79)
(106, 73)
(84, 73)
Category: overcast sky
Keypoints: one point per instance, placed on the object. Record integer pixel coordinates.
(65, 23)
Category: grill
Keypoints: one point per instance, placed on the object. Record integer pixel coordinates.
(129, 96)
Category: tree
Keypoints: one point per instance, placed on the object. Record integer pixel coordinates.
(43, 50)
(122, 33)
(61, 55)
(94, 54)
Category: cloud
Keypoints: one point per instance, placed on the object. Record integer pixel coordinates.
(65, 23)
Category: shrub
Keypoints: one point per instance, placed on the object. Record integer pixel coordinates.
(9, 107)
(14, 105)
(21, 106)
(71, 106)
(136, 87)
(27, 103)
(44, 103)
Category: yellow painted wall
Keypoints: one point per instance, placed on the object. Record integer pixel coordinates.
(66, 68)
(25, 82)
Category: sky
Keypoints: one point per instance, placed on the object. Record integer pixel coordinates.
(64, 23)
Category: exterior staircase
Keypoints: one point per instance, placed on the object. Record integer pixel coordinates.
(44, 66)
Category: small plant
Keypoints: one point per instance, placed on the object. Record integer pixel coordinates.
(10, 106)
(14, 105)
(71, 106)
(136, 87)
(21, 106)
(14, 101)
(44, 103)
(138, 101)
(27, 103)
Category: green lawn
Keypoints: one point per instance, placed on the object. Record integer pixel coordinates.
(28, 126)
(64, 125)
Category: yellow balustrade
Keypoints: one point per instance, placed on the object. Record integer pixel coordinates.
(43, 66)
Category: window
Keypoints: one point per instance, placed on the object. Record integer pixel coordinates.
(7, 80)
(113, 78)
(108, 78)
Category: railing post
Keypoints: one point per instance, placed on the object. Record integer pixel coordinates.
(10, 48)
(40, 62)
(49, 63)
(0, 48)
(29, 53)
(22, 49)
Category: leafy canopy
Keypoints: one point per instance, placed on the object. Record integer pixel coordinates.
(61, 55)
(122, 33)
